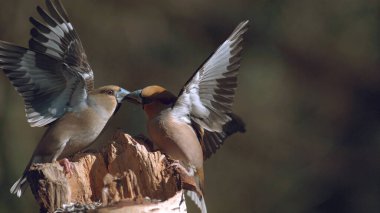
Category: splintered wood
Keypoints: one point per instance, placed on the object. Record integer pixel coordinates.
(124, 177)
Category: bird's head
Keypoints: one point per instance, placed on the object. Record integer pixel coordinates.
(152, 98)
(109, 97)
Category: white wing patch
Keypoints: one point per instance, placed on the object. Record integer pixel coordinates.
(208, 96)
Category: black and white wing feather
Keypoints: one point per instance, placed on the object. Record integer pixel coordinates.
(48, 86)
(53, 76)
(208, 96)
(212, 141)
(59, 39)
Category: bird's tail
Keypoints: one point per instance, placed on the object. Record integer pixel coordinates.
(19, 187)
(198, 200)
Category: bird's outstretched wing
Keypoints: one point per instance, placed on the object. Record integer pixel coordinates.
(53, 75)
(49, 87)
(58, 38)
(212, 141)
(207, 97)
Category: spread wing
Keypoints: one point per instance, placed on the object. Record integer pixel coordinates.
(58, 38)
(212, 141)
(208, 96)
(53, 76)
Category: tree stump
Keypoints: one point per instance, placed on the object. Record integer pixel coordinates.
(126, 176)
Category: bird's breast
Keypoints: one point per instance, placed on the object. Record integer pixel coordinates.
(176, 138)
(80, 129)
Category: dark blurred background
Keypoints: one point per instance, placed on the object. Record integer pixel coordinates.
(309, 91)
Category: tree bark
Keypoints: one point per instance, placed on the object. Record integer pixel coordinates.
(126, 176)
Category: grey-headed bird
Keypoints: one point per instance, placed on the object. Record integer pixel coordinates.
(57, 84)
(193, 125)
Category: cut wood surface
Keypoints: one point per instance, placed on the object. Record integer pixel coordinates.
(126, 176)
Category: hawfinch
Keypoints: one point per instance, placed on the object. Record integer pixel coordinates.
(193, 125)
(57, 84)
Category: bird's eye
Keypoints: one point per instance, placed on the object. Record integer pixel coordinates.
(109, 92)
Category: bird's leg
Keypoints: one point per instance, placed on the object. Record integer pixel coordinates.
(188, 178)
(180, 168)
(64, 162)
(67, 166)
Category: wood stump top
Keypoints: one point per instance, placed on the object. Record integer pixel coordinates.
(126, 176)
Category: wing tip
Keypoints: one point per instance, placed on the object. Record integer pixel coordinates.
(244, 24)
(240, 29)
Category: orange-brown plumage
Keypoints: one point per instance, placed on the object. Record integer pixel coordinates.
(192, 126)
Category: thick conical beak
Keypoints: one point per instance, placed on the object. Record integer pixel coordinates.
(121, 94)
(134, 97)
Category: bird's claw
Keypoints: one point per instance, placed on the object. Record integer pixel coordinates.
(176, 165)
(67, 166)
